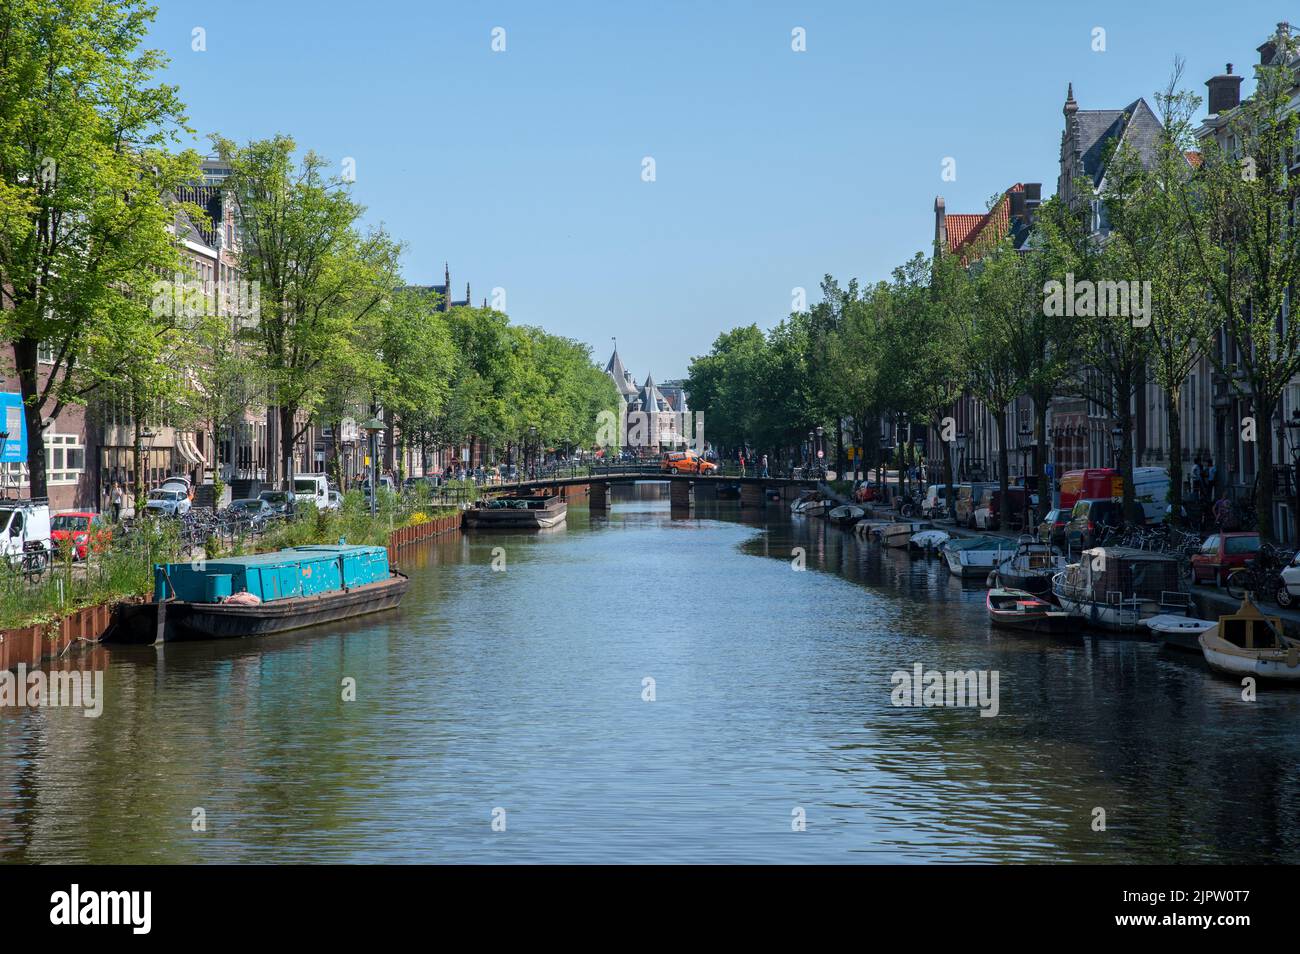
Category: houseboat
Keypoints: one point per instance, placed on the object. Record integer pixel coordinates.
(1119, 587)
(261, 594)
(1031, 567)
(517, 512)
(1248, 643)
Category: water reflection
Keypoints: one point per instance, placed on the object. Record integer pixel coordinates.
(521, 688)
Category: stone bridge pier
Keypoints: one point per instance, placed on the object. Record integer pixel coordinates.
(599, 500)
(753, 495)
(679, 495)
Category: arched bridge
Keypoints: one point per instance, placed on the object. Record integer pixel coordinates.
(597, 480)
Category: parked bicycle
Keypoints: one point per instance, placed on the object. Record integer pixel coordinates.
(1262, 576)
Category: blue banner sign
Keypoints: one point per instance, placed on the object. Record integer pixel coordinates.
(14, 448)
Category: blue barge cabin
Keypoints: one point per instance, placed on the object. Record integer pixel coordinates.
(261, 594)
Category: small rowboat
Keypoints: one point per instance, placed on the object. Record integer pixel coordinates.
(1178, 632)
(1016, 609)
(1248, 643)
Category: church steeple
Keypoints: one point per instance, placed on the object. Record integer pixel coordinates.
(446, 286)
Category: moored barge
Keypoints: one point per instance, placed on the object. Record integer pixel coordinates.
(262, 594)
(518, 512)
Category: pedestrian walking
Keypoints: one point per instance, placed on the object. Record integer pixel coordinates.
(742, 463)
(117, 498)
(763, 466)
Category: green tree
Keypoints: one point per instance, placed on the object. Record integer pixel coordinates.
(1238, 214)
(85, 171)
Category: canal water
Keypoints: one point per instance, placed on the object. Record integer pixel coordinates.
(637, 688)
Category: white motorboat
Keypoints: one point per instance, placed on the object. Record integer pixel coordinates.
(1031, 567)
(929, 541)
(1119, 587)
(1248, 643)
(846, 516)
(974, 557)
(898, 534)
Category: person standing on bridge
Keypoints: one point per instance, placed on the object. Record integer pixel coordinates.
(742, 463)
(762, 467)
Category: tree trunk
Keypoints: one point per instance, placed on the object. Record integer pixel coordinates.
(1042, 486)
(29, 385)
(1003, 509)
(1175, 435)
(137, 461)
(1264, 469)
(286, 446)
(1126, 464)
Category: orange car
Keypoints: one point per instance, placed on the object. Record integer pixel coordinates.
(686, 462)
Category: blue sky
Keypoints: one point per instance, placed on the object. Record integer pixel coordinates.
(523, 168)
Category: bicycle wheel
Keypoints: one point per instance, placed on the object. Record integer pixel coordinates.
(1238, 583)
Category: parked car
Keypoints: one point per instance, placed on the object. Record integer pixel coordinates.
(280, 501)
(386, 483)
(253, 510)
(1221, 553)
(968, 496)
(1289, 592)
(1052, 528)
(686, 462)
(865, 492)
(311, 489)
(83, 530)
(335, 501)
(935, 503)
(167, 503)
(990, 513)
(1090, 518)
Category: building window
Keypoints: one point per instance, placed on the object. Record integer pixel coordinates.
(65, 458)
(45, 352)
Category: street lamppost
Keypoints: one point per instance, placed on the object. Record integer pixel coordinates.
(820, 453)
(532, 450)
(1024, 438)
(373, 428)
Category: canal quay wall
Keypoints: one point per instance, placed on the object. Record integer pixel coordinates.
(29, 646)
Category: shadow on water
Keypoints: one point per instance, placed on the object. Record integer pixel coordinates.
(517, 674)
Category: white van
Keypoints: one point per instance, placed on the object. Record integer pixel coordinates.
(1151, 490)
(25, 528)
(311, 489)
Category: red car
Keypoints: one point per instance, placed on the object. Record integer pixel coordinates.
(82, 530)
(1221, 553)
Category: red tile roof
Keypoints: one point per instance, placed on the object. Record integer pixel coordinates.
(971, 234)
(1194, 159)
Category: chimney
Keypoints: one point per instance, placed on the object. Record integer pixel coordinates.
(1225, 92)
(1033, 199)
(1017, 205)
(940, 225)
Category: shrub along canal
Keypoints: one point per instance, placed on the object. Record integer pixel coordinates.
(514, 685)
